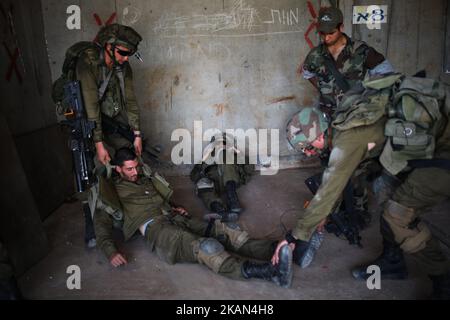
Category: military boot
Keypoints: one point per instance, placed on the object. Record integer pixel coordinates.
(441, 287)
(305, 251)
(281, 273)
(219, 212)
(232, 198)
(391, 262)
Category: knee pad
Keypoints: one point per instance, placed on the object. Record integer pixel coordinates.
(231, 231)
(412, 237)
(204, 185)
(211, 253)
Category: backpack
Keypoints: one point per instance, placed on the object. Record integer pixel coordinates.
(68, 70)
(416, 118)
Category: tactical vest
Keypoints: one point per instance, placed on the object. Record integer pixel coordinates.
(103, 196)
(416, 120)
(111, 90)
(414, 108)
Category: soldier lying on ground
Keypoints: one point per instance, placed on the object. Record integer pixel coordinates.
(173, 234)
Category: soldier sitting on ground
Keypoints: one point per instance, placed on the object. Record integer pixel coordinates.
(216, 177)
(140, 201)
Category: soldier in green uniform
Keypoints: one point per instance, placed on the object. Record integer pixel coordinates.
(177, 238)
(215, 177)
(351, 58)
(8, 284)
(361, 124)
(333, 67)
(107, 86)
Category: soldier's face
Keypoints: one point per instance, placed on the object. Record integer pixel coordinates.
(129, 170)
(317, 144)
(332, 38)
(121, 54)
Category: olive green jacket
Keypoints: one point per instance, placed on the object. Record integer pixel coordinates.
(140, 203)
(90, 71)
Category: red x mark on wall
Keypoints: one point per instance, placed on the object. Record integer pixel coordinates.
(13, 65)
(99, 22)
(313, 24)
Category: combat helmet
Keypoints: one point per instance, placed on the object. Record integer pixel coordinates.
(305, 127)
(117, 34)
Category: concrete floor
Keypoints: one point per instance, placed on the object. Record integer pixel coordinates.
(266, 199)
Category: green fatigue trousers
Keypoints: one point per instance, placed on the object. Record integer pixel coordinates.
(423, 188)
(219, 174)
(174, 240)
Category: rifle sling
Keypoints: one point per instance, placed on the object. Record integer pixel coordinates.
(340, 79)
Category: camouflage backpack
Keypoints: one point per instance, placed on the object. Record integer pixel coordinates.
(415, 120)
(413, 107)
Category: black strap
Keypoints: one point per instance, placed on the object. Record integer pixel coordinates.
(340, 79)
(429, 163)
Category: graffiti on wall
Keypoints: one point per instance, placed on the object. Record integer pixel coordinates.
(10, 43)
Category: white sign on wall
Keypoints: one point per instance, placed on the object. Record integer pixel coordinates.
(373, 16)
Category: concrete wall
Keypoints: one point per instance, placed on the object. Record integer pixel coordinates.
(230, 63)
(27, 106)
(414, 36)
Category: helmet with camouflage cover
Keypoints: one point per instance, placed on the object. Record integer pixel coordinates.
(117, 34)
(305, 127)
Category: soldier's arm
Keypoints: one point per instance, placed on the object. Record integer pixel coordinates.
(132, 106)
(85, 74)
(376, 63)
(103, 225)
(309, 69)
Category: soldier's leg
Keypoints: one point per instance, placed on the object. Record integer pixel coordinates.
(230, 180)
(211, 252)
(403, 231)
(423, 188)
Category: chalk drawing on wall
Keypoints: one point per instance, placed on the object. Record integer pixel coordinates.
(131, 15)
(243, 19)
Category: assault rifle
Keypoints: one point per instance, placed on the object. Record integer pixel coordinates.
(111, 126)
(80, 135)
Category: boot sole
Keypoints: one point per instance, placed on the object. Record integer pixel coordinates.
(286, 255)
(315, 243)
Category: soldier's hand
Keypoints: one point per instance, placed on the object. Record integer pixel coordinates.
(321, 226)
(138, 145)
(275, 258)
(181, 211)
(102, 153)
(118, 260)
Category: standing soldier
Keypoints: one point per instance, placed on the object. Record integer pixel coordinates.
(339, 62)
(107, 86)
